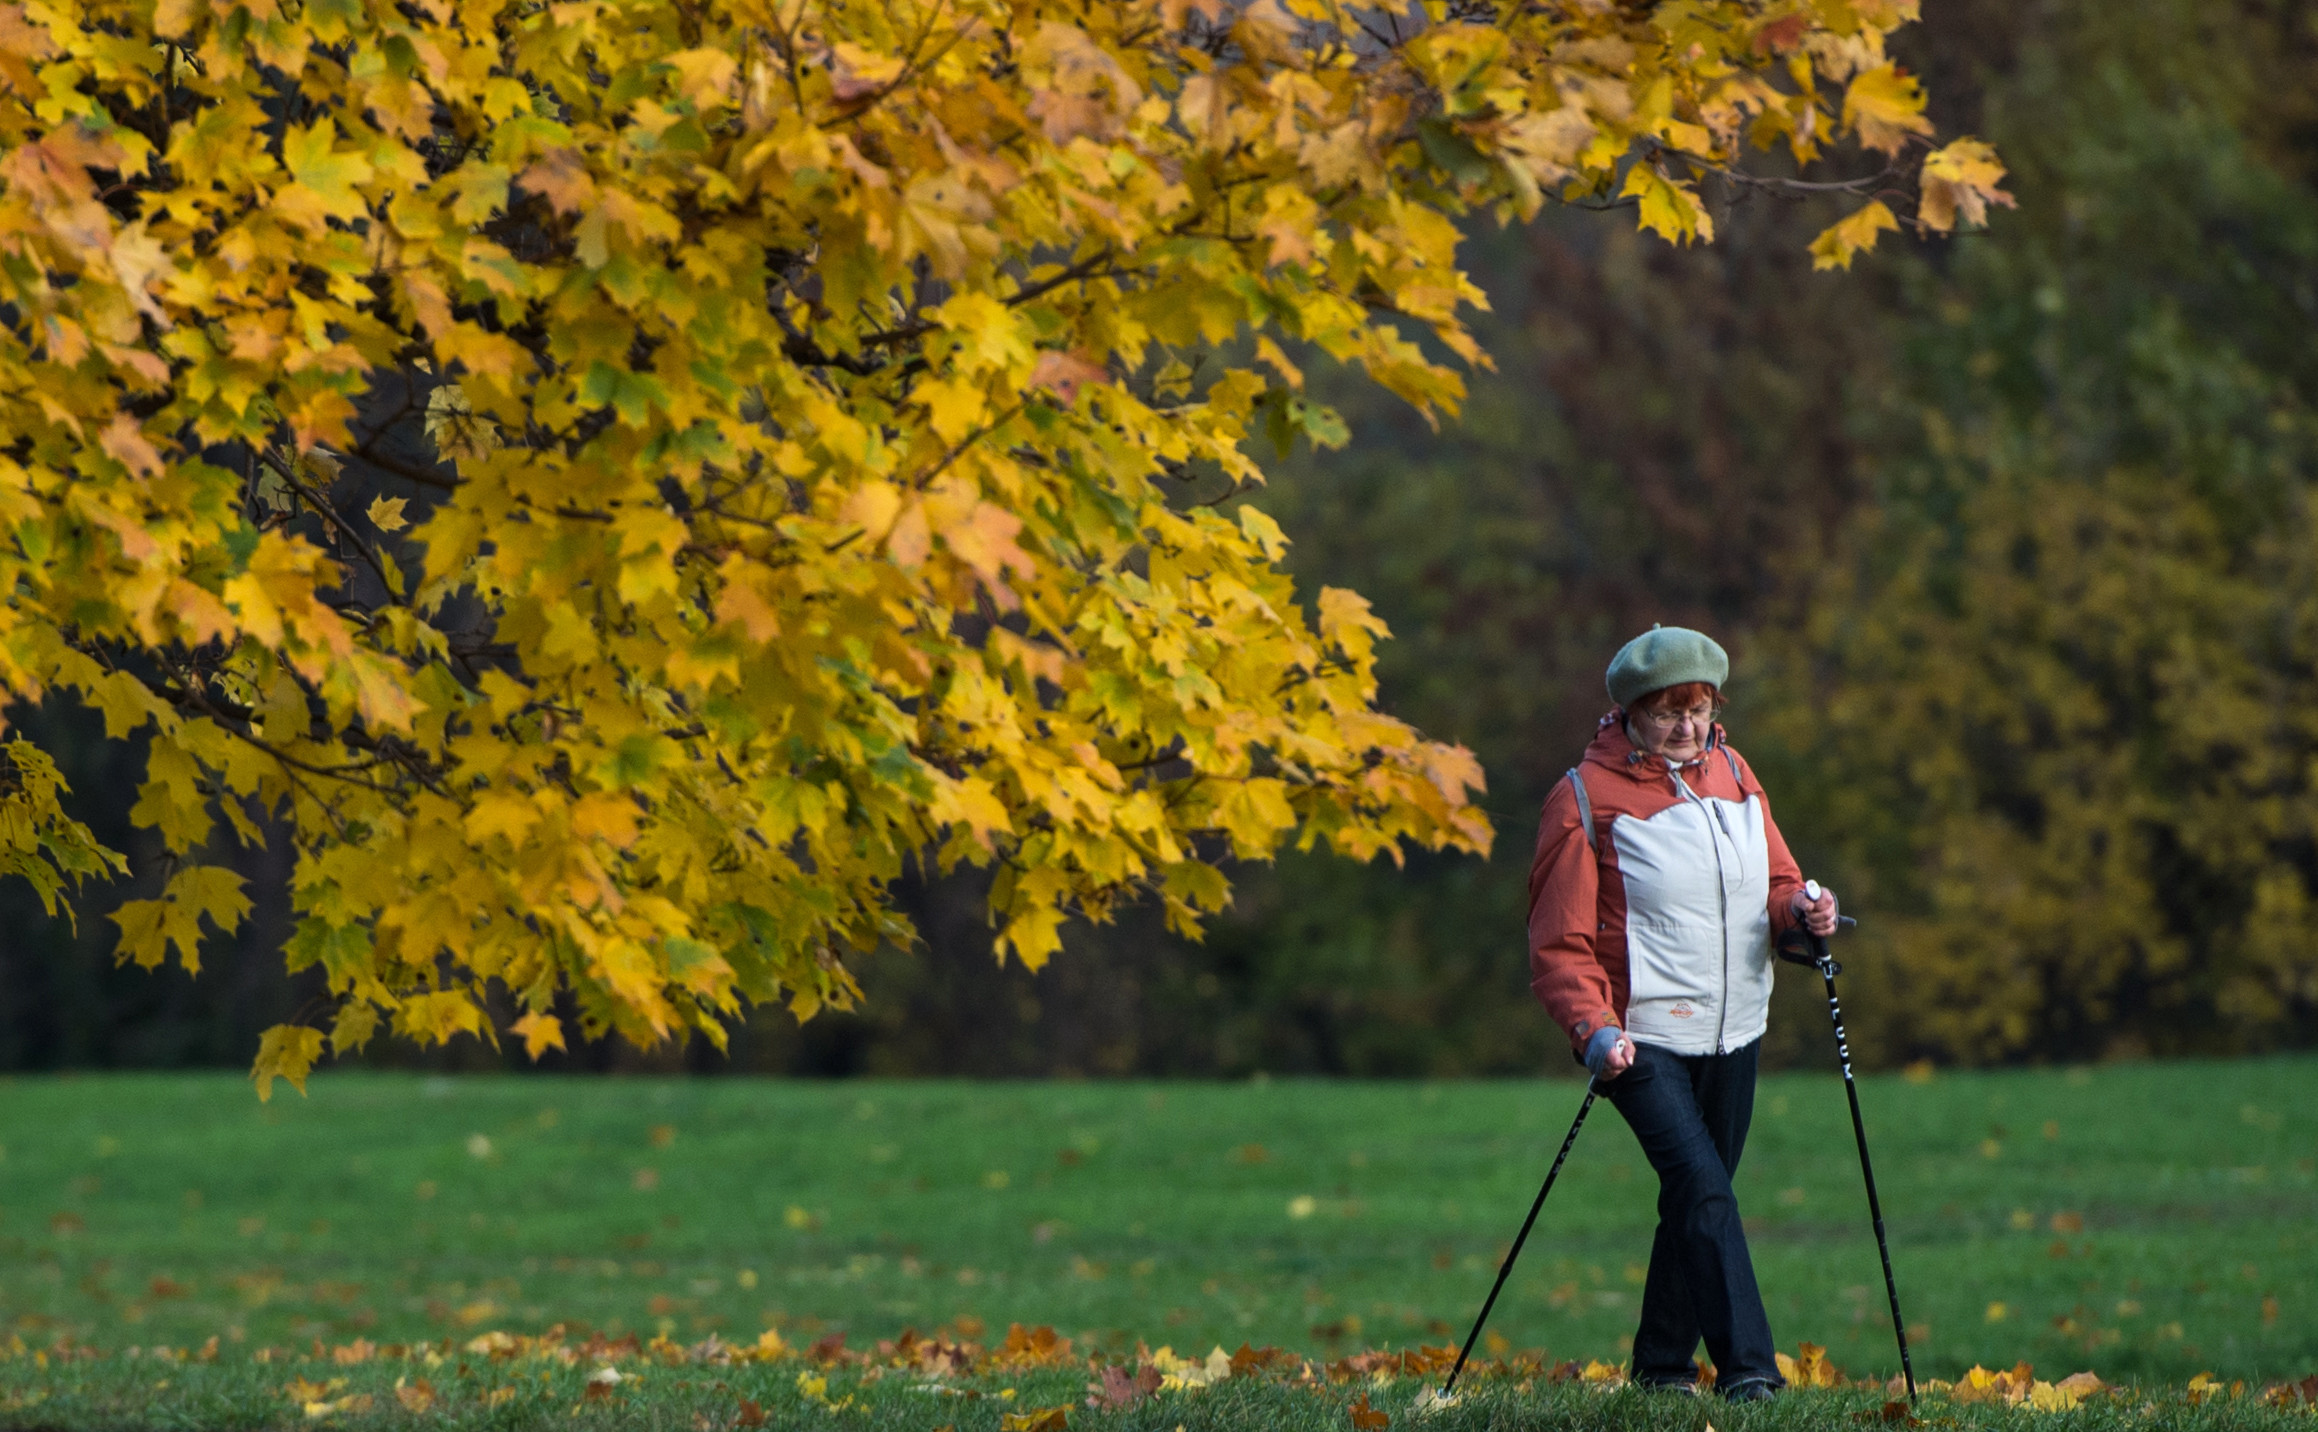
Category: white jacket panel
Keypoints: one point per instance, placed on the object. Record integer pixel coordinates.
(1698, 924)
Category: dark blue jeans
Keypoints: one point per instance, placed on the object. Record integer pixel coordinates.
(1691, 1114)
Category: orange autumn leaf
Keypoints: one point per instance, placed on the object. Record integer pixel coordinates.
(1809, 1367)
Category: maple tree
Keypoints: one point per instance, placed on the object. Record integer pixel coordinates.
(796, 437)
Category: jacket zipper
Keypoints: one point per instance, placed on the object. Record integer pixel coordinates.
(1722, 897)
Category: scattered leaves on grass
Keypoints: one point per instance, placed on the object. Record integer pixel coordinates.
(1032, 1347)
(1249, 1361)
(952, 1356)
(1182, 1372)
(2290, 1394)
(933, 1355)
(2019, 1386)
(815, 1389)
(1416, 1362)
(1366, 1418)
(1116, 1389)
(1604, 1374)
(2066, 1393)
(1809, 1367)
(2205, 1386)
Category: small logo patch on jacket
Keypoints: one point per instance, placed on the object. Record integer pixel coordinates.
(1682, 1009)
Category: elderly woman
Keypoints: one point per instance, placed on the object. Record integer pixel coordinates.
(1658, 886)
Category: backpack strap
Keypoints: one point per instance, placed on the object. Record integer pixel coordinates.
(1577, 785)
(1732, 757)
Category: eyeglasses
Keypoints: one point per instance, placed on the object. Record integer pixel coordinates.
(1659, 717)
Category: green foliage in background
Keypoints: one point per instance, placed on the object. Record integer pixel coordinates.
(2054, 710)
(2013, 541)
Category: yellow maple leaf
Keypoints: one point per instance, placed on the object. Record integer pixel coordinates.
(150, 927)
(1851, 235)
(1884, 106)
(327, 176)
(540, 1032)
(286, 1051)
(1960, 181)
(1670, 210)
(972, 803)
(434, 1018)
(385, 514)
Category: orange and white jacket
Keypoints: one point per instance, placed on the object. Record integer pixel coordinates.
(1662, 923)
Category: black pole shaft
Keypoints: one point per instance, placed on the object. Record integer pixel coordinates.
(1899, 1325)
(1520, 1238)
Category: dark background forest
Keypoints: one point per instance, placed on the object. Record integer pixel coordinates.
(2011, 538)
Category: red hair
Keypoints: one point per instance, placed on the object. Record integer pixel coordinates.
(1680, 697)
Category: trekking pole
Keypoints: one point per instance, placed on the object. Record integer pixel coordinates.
(1828, 970)
(1518, 1239)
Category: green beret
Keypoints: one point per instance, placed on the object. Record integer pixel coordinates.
(1666, 656)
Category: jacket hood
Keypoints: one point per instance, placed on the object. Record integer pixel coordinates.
(1612, 749)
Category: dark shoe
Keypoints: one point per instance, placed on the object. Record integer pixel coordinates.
(1679, 1386)
(1753, 1389)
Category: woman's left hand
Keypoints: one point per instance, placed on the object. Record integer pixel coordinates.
(1817, 917)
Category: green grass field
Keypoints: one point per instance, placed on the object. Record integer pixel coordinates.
(2148, 1222)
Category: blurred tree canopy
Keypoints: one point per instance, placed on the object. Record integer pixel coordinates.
(2051, 706)
(2010, 536)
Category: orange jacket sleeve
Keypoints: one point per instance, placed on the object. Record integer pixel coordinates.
(1786, 875)
(1564, 891)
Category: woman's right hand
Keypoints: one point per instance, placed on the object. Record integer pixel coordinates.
(1609, 1053)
